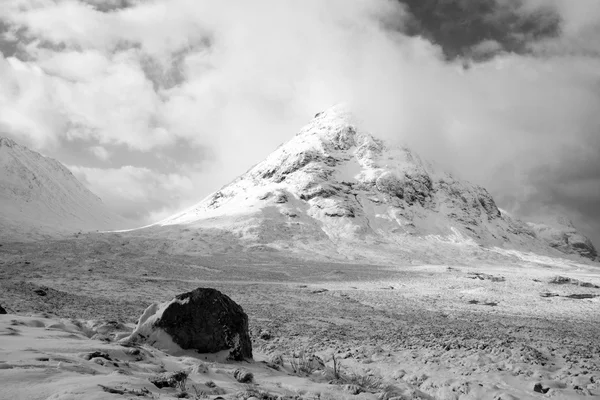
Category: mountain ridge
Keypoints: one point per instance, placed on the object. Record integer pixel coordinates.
(334, 182)
(41, 197)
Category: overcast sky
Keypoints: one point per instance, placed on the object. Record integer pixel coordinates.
(155, 104)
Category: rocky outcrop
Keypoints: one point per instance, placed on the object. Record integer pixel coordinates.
(204, 320)
(562, 235)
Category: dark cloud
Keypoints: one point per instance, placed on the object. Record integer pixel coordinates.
(458, 26)
(111, 5)
(8, 42)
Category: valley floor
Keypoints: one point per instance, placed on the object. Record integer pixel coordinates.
(459, 331)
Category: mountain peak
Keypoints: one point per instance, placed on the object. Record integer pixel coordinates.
(336, 183)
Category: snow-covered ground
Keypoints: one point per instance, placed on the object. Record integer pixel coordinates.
(471, 328)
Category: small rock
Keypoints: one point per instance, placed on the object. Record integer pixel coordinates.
(40, 292)
(243, 376)
(97, 354)
(200, 369)
(169, 379)
(276, 359)
(264, 335)
(98, 360)
(353, 389)
(540, 389)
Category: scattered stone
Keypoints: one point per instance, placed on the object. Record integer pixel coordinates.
(200, 369)
(581, 296)
(97, 360)
(243, 376)
(265, 335)
(561, 280)
(97, 354)
(276, 359)
(549, 294)
(319, 291)
(353, 389)
(481, 276)
(169, 379)
(204, 320)
(143, 392)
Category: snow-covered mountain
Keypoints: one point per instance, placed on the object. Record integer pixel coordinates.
(39, 197)
(561, 234)
(336, 187)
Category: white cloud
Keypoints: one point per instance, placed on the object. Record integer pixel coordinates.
(131, 191)
(27, 106)
(487, 48)
(100, 152)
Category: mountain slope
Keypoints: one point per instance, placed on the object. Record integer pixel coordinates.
(39, 196)
(336, 187)
(560, 234)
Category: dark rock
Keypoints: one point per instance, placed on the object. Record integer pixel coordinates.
(265, 335)
(540, 389)
(40, 292)
(207, 321)
(97, 354)
(2, 310)
(169, 379)
(549, 294)
(581, 296)
(243, 376)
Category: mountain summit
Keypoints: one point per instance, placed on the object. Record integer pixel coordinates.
(39, 197)
(335, 185)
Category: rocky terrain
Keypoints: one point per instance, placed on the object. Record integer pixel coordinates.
(40, 197)
(469, 329)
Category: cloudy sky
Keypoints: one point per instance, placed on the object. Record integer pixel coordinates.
(156, 103)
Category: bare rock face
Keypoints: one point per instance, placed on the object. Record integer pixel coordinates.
(204, 320)
(562, 235)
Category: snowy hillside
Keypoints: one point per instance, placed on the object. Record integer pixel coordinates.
(337, 186)
(39, 196)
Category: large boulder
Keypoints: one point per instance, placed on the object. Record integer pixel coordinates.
(204, 320)
(2, 310)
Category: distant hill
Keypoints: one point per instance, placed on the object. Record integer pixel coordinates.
(40, 197)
